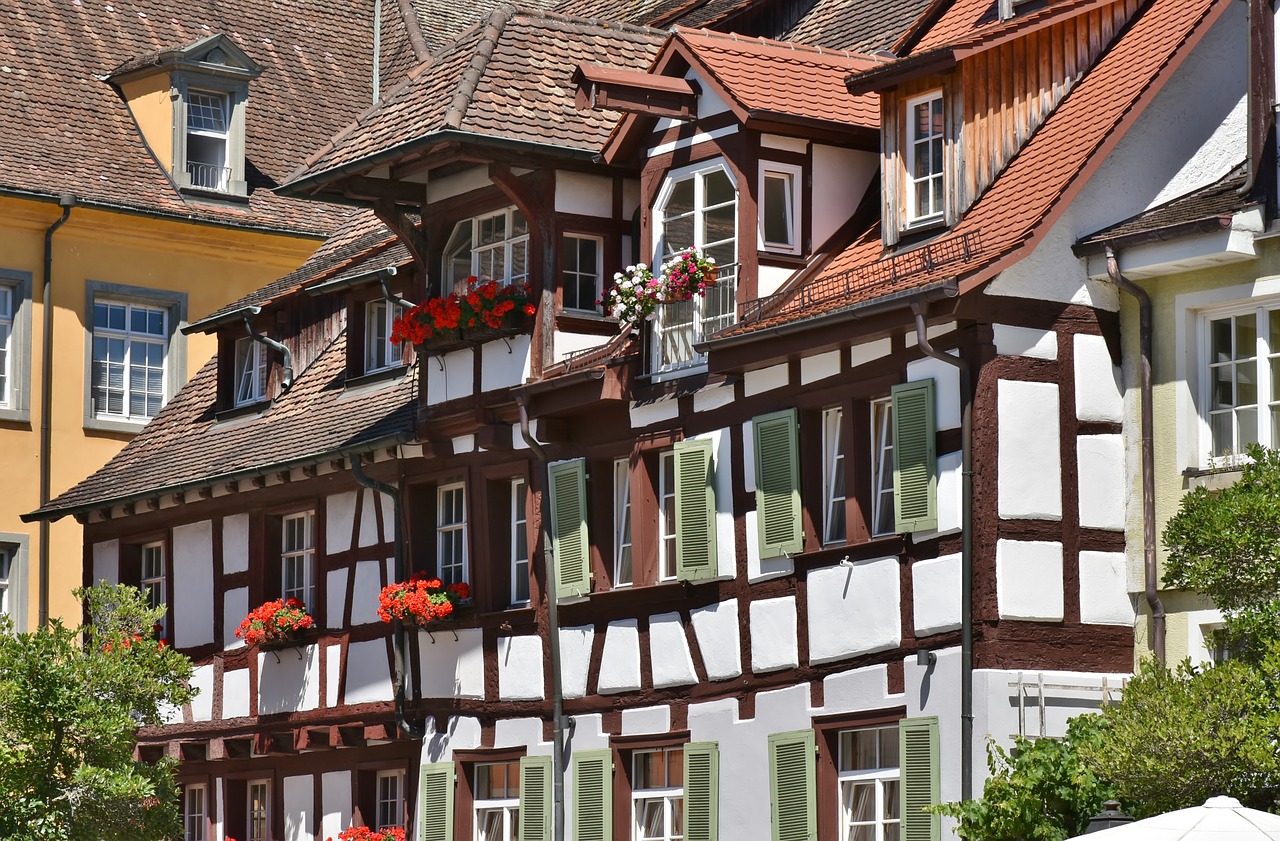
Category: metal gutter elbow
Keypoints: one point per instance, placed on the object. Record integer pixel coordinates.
(384, 279)
(286, 381)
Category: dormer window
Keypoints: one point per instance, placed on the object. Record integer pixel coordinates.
(379, 353)
(779, 207)
(495, 245)
(925, 181)
(208, 118)
(251, 372)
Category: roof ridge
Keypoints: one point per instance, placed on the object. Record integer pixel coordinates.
(413, 29)
(489, 36)
(794, 46)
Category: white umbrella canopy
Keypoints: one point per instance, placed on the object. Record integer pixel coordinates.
(1219, 819)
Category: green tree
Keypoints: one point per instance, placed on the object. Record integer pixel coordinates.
(71, 702)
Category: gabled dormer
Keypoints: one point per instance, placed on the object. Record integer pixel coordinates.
(189, 104)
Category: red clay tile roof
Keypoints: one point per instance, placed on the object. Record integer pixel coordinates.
(1025, 200)
(860, 27)
(759, 75)
(971, 23)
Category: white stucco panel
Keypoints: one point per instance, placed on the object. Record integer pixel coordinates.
(451, 669)
(575, 660)
(765, 379)
(1104, 593)
(235, 693)
(339, 518)
(368, 673)
(841, 177)
(106, 561)
(773, 635)
(1025, 341)
(716, 628)
(620, 663)
(235, 607)
(193, 566)
(946, 384)
(202, 683)
(235, 543)
(335, 808)
(669, 651)
(364, 598)
(647, 414)
(336, 598)
(646, 720)
(502, 366)
(1029, 580)
(935, 592)
(332, 674)
(869, 352)
(950, 497)
(299, 807)
(819, 367)
(290, 685)
(368, 534)
(1102, 481)
(854, 609)
(455, 380)
(1030, 472)
(709, 399)
(1098, 392)
(520, 662)
(857, 689)
(588, 195)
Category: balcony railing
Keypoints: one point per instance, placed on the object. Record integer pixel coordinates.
(208, 176)
(679, 326)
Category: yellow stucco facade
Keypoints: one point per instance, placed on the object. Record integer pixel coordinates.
(118, 256)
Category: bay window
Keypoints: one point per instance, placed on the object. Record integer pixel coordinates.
(495, 245)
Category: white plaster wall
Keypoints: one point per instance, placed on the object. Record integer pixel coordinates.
(502, 367)
(575, 660)
(647, 414)
(454, 381)
(1029, 580)
(461, 733)
(519, 732)
(1067, 695)
(773, 635)
(193, 566)
(588, 195)
(1030, 468)
(620, 662)
(335, 794)
(646, 720)
(336, 598)
(476, 178)
(332, 675)
(202, 683)
(769, 279)
(935, 593)
(1104, 593)
(840, 180)
(950, 498)
(716, 628)
(866, 352)
(714, 397)
(299, 807)
(866, 688)
(669, 651)
(290, 685)
(1101, 471)
(819, 366)
(946, 384)
(566, 343)
(451, 669)
(935, 690)
(235, 693)
(463, 444)
(235, 607)
(364, 598)
(1097, 381)
(1025, 341)
(520, 662)
(389, 524)
(854, 609)
(368, 673)
(765, 379)
(368, 534)
(339, 518)
(235, 543)
(106, 561)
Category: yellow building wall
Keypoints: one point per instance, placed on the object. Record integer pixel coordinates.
(212, 265)
(152, 109)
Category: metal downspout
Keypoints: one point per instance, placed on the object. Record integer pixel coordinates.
(1147, 451)
(66, 202)
(286, 381)
(384, 279)
(553, 633)
(966, 556)
(399, 637)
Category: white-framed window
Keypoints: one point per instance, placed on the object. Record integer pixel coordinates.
(657, 794)
(251, 371)
(497, 800)
(151, 577)
(581, 277)
(622, 571)
(195, 813)
(208, 118)
(1240, 377)
(519, 541)
(258, 811)
(867, 770)
(130, 342)
(780, 207)
(451, 533)
(7, 310)
(298, 558)
(495, 245)
(667, 516)
(390, 807)
(833, 475)
(7, 554)
(697, 206)
(379, 351)
(882, 521)
(923, 144)
(15, 345)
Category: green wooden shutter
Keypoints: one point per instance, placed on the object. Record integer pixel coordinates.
(569, 544)
(435, 802)
(778, 514)
(918, 749)
(701, 791)
(593, 795)
(915, 462)
(535, 798)
(792, 790)
(695, 512)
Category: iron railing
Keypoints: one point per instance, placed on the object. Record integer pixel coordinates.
(208, 176)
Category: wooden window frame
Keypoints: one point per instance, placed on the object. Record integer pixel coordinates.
(793, 175)
(909, 142)
(827, 730)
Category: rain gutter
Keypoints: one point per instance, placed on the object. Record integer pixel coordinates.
(286, 381)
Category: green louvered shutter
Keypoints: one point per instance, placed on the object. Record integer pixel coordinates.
(915, 464)
(569, 528)
(535, 798)
(435, 802)
(701, 791)
(918, 751)
(792, 790)
(695, 512)
(778, 484)
(593, 795)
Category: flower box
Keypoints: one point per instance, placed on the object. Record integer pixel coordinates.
(636, 294)
(484, 311)
(364, 833)
(421, 601)
(275, 624)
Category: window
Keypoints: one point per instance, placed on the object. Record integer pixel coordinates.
(667, 516)
(390, 808)
(924, 156)
(151, 580)
(622, 574)
(6, 334)
(128, 371)
(208, 117)
(779, 217)
(833, 478)
(882, 467)
(15, 345)
(451, 533)
(13, 597)
(657, 794)
(6, 573)
(581, 277)
(251, 372)
(258, 806)
(867, 770)
(379, 352)
(194, 813)
(494, 246)
(519, 542)
(697, 207)
(298, 559)
(497, 800)
(1242, 380)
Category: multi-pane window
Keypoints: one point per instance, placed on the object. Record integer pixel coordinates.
(868, 774)
(622, 574)
(519, 542)
(657, 794)
(298, 558)
(251, 371)
(194, 813)
(129, 348)
(379, 352)
(833, 489)
(924, 155)
(208, 115)
(258, 810)
(779, 219)
(497, 800)
(1243, 380)
(390, 799)
(6, 334)
(6, 573)
(492, 246)
(882, 467)
(667, 516)
(451, 533)
(582, 272)
(151, 580)
(696, 208)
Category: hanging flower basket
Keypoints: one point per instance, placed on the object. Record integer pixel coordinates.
(422, 601)
(636, 293)
(275, 624)
(483, 311)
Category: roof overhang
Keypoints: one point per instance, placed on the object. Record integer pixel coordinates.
(635, 92)
(1173, 249)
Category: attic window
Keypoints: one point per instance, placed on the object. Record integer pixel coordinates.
(207, 121)
(924, 148)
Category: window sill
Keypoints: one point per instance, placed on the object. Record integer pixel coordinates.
(583, 321)
(891, 545)
(1212, 478)
(15, 416)
(129, 427)
(365, 382)
(215, 195)
(781, 259)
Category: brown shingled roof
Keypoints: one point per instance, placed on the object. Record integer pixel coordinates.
(858, 26)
